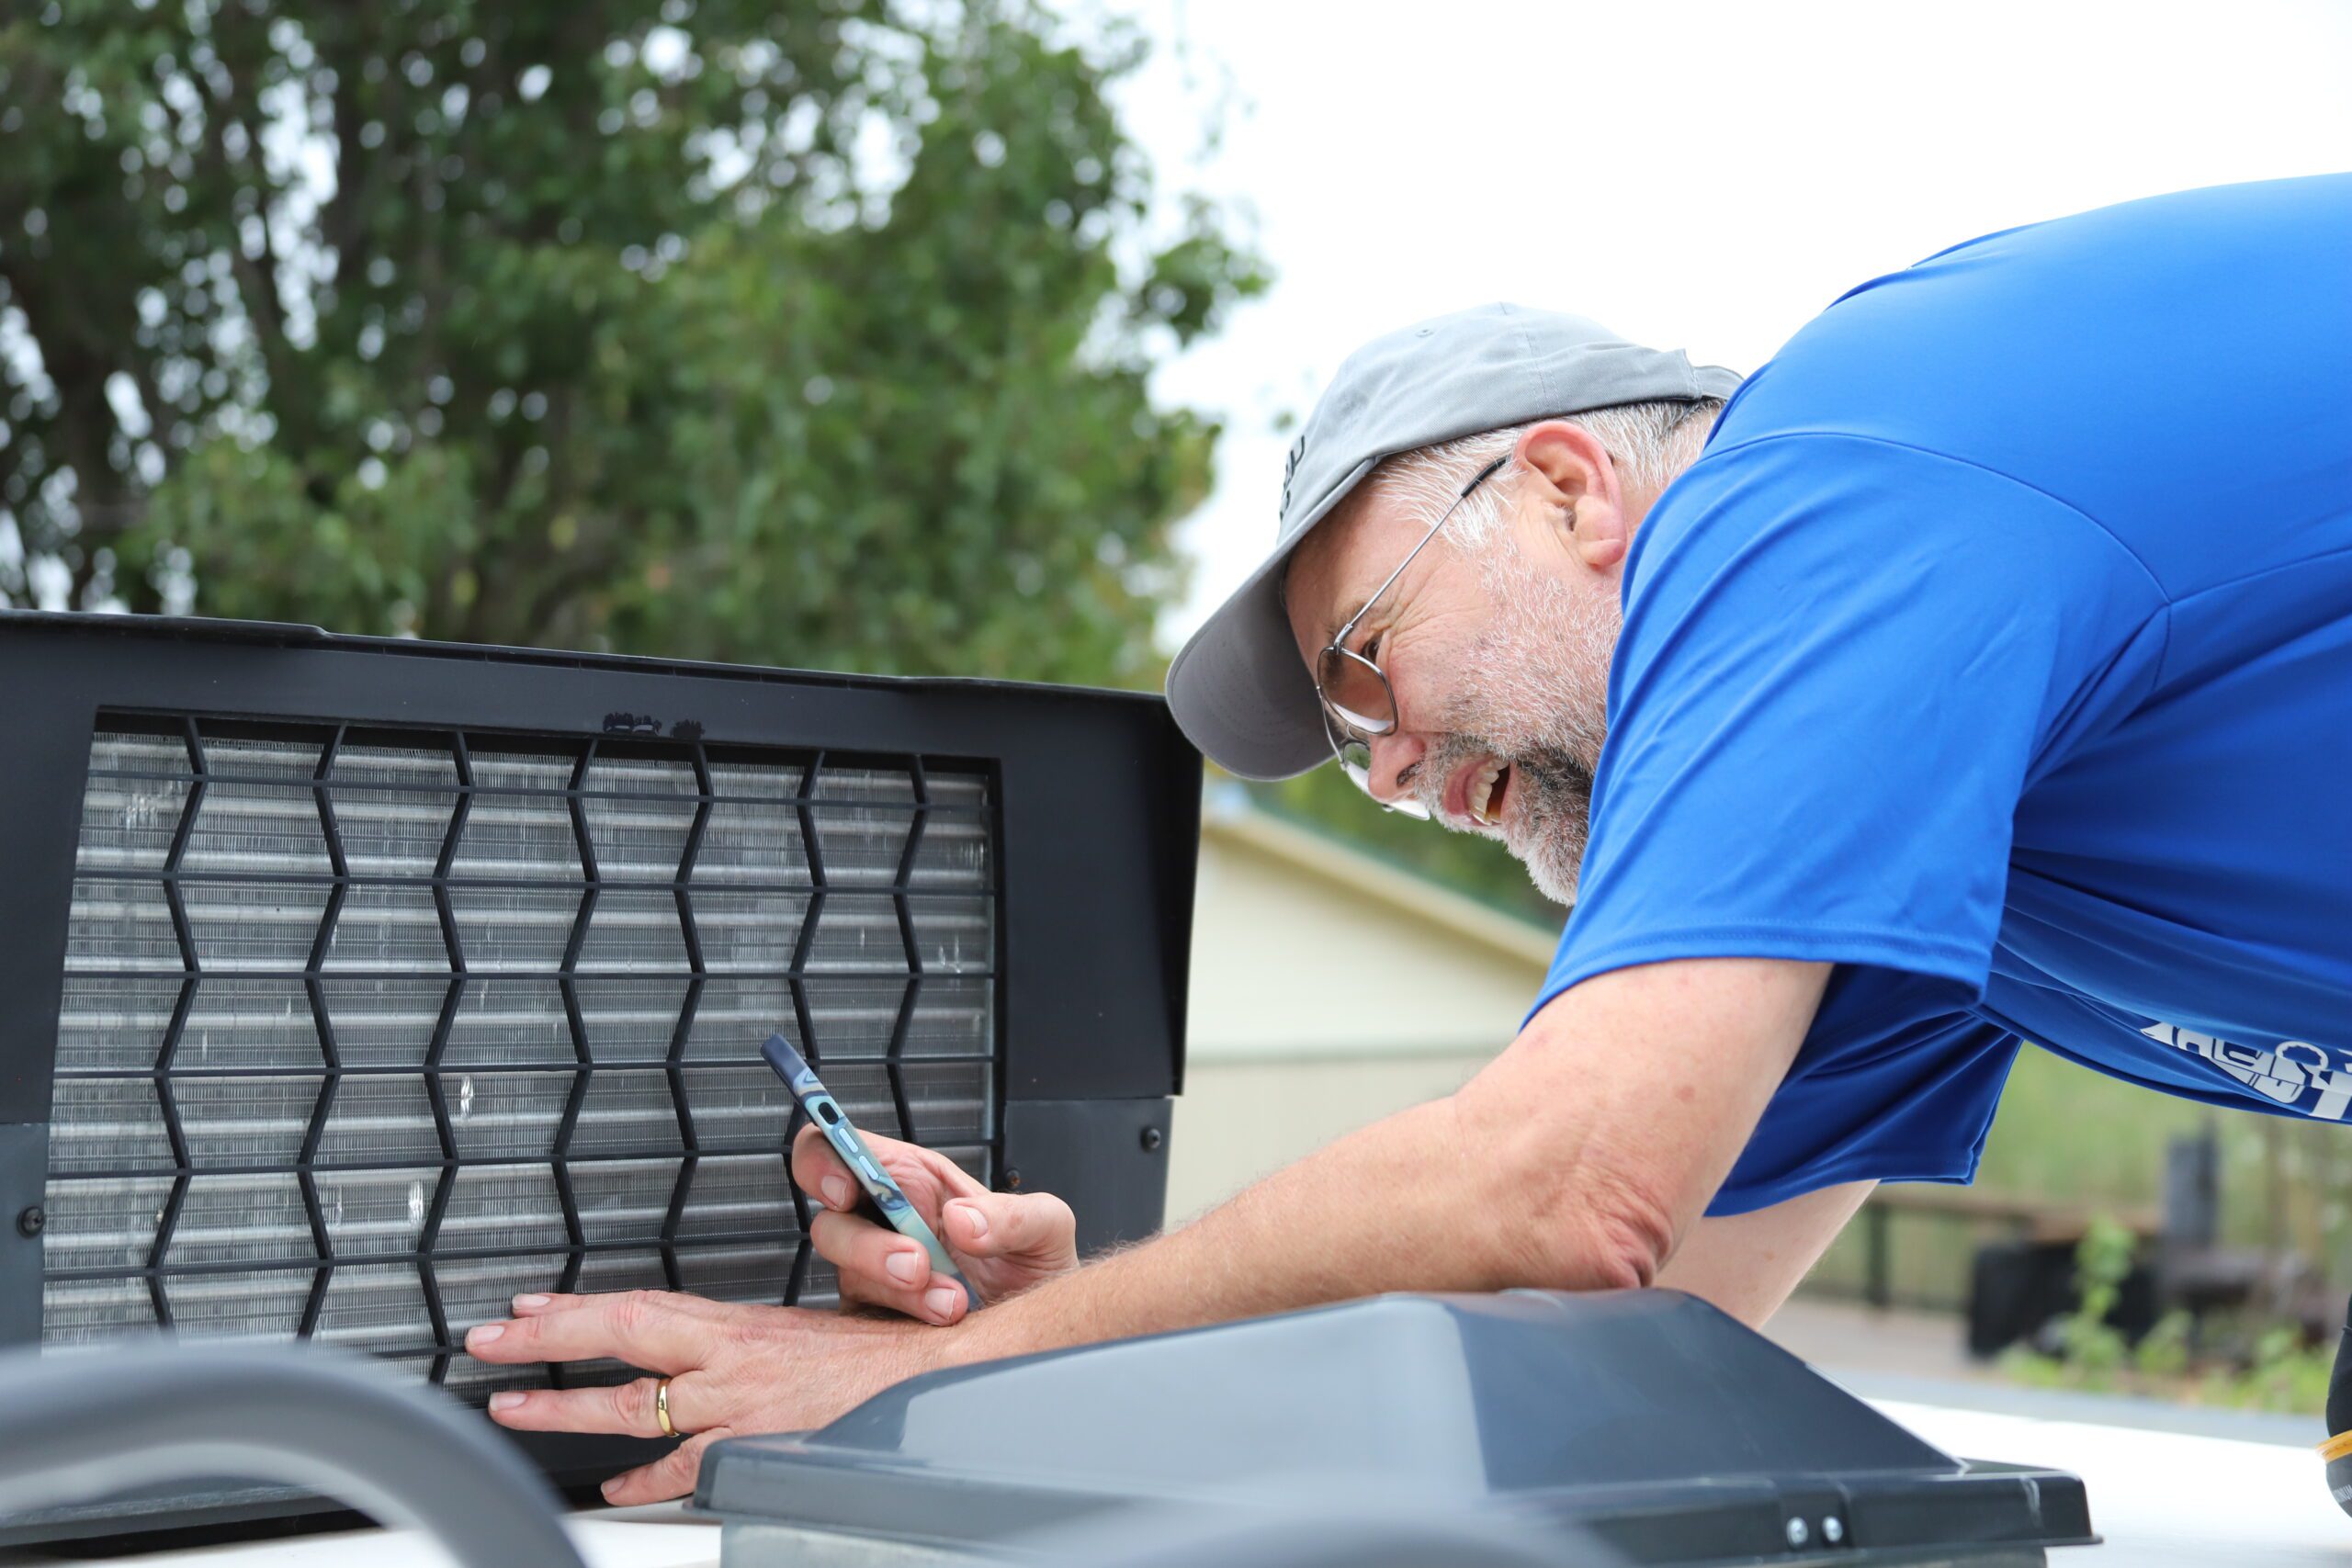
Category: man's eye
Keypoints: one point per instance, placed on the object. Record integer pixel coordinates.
(1372, 648)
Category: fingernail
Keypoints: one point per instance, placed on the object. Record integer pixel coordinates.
(609, 1487)
(975, 1221)
(504, 1401)
(902, 1267)
(837, 1192)
(527, 1303)
(485, 1334)
(938, 1300)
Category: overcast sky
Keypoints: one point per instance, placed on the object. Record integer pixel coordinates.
(1696, 175)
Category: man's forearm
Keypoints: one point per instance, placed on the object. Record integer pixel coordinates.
(1382, 1209)
(1573, 1162)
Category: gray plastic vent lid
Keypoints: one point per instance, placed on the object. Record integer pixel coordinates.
(1647, 1418)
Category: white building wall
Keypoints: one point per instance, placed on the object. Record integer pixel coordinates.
(1327, 991)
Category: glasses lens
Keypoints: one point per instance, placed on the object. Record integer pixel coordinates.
(1357, 693)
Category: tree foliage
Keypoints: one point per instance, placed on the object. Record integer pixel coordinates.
(816, 331)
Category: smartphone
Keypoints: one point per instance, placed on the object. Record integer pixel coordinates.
(886, 1202)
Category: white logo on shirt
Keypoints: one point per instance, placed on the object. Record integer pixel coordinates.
(2286, 1076)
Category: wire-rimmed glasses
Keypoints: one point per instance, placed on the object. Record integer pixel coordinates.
(1359, 705)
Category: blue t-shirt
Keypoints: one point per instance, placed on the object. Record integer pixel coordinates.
(1998, 650)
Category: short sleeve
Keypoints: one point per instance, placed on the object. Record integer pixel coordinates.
(1842, 661)
(1893, 1083)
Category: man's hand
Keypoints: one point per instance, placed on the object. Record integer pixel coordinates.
(1579, 1158)
(732, 1369)
(1004, 1242)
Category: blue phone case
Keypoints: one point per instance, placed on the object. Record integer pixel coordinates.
(834, 1122)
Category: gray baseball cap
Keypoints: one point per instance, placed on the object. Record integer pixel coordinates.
(1239, 688)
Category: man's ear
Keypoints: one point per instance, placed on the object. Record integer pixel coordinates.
(1581, 485)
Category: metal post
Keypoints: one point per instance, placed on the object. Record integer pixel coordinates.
(1878, 1287)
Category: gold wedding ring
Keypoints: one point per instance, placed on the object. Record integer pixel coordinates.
(662, 1407)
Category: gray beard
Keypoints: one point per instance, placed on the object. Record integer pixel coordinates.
(1536, 696)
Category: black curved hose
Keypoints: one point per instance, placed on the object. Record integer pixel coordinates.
(2337, 1451)
(2339, 1383)
(79, 1427)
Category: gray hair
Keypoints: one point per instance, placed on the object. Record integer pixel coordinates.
(1649, 443)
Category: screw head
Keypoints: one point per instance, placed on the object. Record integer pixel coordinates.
(1152, 1138)
(1011, 1179)
(1833, 1528)
(1798, 1534)
(32, 1221)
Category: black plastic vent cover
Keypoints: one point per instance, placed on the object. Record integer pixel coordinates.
(354, 984)
(365, 1031)
(1645, 1418)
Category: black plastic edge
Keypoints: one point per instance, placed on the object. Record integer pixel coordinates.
(1107, 1158)
(24, 1180)
(292, 634)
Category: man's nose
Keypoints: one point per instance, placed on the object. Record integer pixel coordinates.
(1392, 755)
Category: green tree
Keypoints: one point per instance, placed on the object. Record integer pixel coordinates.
(815, 332)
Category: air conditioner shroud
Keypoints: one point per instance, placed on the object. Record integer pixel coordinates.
(1081, 809)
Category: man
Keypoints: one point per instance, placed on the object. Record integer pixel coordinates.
(1987, 676)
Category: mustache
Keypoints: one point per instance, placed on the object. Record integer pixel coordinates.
(1548, 772)
(1439, 764)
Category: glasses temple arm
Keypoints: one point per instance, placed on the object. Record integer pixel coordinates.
(1481, 477)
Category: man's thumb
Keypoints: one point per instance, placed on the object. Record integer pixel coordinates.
(1001, 1225)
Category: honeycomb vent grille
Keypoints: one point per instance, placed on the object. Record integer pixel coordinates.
(366, 1032)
